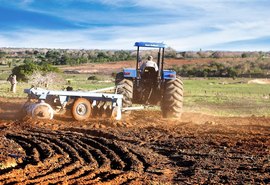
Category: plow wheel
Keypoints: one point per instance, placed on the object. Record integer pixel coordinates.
(81, 109)
(42, 111)
(172, 102)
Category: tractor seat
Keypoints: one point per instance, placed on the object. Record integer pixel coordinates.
(149, 72)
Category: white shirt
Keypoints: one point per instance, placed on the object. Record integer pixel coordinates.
(149, 63)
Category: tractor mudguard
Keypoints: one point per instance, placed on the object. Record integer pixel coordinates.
(169, 74)
(130, 73)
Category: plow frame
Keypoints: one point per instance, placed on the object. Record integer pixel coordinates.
(64, 96)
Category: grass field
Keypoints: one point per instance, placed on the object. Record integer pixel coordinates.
(77, 81)
(220, 96)
(227, 97)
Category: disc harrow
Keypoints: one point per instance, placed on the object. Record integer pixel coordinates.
(43, 104)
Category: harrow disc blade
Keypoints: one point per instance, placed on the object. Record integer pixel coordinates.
(40, 111)
(95, 111)
(104, 110)
(113, 114)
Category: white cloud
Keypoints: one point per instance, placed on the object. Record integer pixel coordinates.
(203, 24)
(176, 35)
(226, 34)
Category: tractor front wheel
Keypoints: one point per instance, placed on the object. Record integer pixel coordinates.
(172, 101)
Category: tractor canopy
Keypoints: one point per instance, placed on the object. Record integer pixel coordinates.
(150, 44)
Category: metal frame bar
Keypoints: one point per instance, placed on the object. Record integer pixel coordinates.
(116, 99)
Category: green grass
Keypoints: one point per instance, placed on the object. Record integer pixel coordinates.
(77, 81)
(226, 97)
(5, 71)
(80, 81)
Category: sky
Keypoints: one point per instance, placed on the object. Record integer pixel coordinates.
(184, 25)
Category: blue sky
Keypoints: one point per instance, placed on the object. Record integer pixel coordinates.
(237, 25)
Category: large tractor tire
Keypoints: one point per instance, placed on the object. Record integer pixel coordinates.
(172, 101)
(124, 87)
(81, 109)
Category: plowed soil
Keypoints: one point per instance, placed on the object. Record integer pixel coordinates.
(142, 148)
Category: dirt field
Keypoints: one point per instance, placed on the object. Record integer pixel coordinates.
(142, 148)
(112, 67)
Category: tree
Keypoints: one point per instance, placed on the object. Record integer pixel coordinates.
(170, 53)
(53, 57)
(23, 72)
(2, 54)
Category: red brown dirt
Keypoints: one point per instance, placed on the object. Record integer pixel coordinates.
(142, 148)
(112, 67)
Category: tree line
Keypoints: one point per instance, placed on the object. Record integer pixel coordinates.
(256, 64)
(56, 58)
(77, 57)
(66, 57)
(248, 68)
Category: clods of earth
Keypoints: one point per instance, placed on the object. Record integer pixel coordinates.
(142, 148)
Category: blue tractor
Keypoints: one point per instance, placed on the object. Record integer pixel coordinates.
(151, 84)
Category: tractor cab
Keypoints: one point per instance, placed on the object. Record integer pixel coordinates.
(150, 71)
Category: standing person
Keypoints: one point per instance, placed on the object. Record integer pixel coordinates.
(13, 82)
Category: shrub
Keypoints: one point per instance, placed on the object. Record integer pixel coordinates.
(38, 79)
(23, 72)
(92, 78)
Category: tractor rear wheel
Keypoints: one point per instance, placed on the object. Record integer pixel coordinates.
(172, 102)
(124, 87)
(81, 109)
